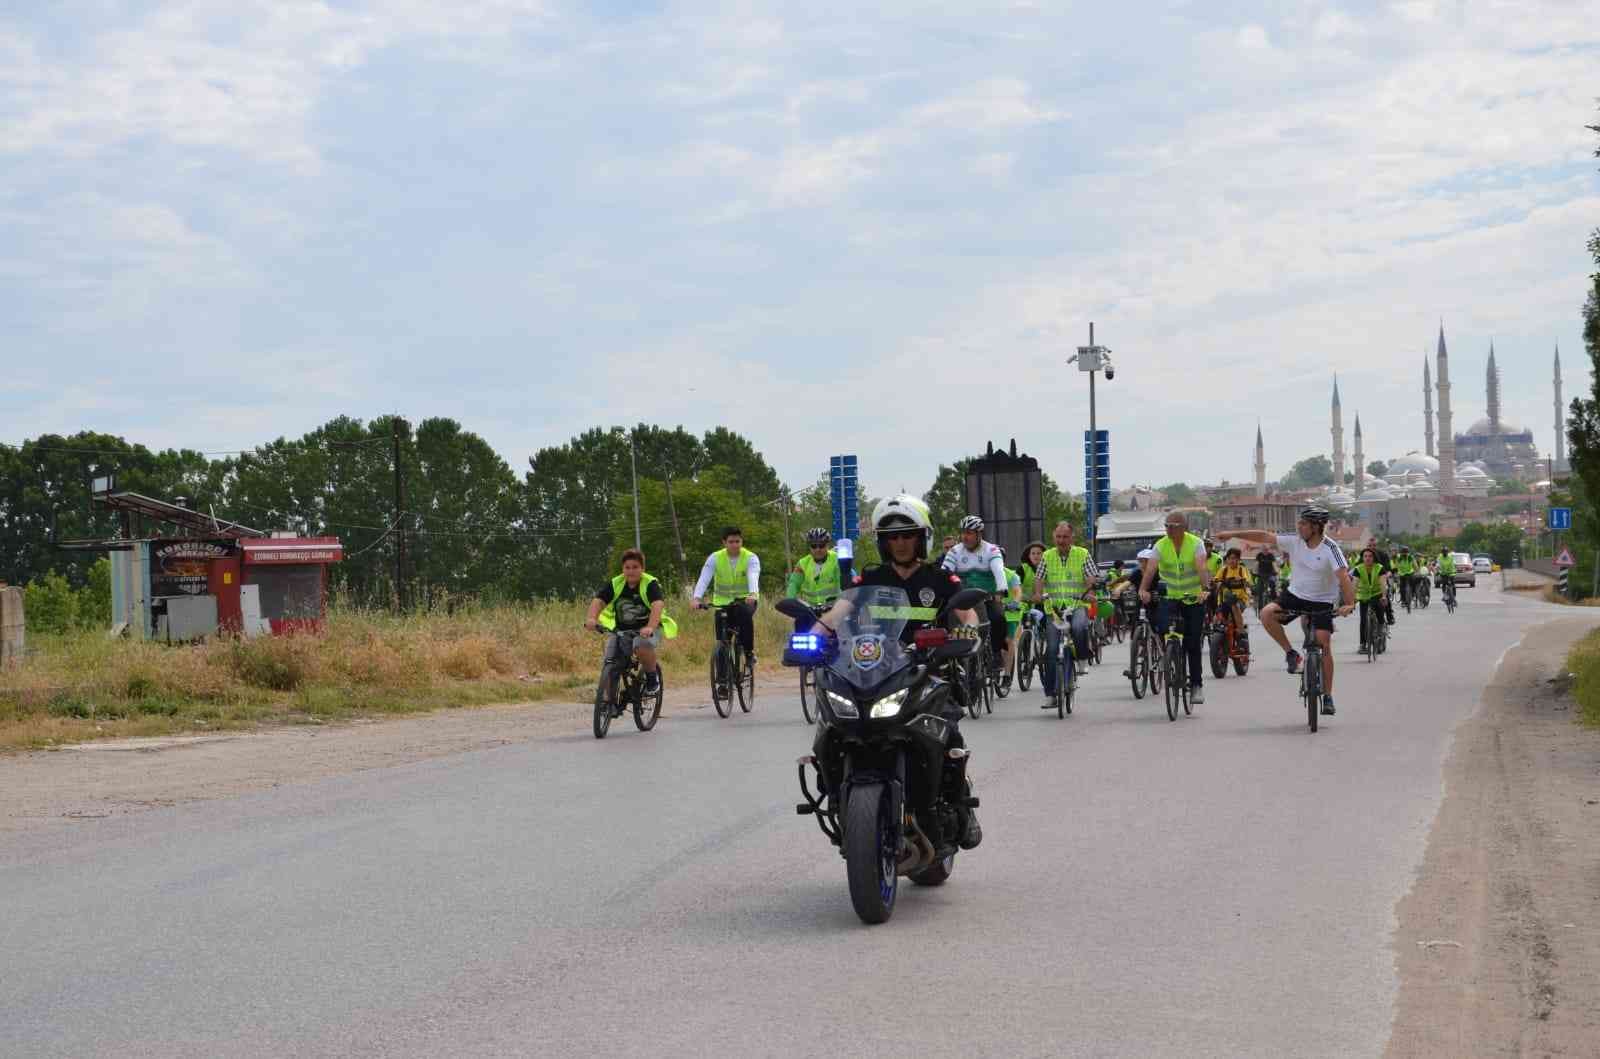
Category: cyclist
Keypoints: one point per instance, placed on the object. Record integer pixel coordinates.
(1372, 580)
(1233, 582)
(1180, 559)
(815, 579)
(903, 532)
(1445, 565)
(980, 564)
(1319, 588)
(1386, 564)
(633, 602)
(1065, 576)
(732, 572)
(1266, 574)
(1405, 568)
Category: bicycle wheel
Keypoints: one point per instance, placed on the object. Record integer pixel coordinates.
(604, 696)
(999, 684)
(1169, 683)
(1138, 663)
(970, 678)
(721, 691)
(1097, 643)
(1024, 654)
(1177, 676)
(744, 683)
(1063, 694)
(1155, 662)
(1310, 685)
(808, 692)
(647, 706)
(1217, 648)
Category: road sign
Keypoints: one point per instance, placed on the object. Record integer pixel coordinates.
(1565, 558)
(1097, 475)
(1561, 518)
(842, 479)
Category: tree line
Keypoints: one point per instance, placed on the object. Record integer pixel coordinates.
(466, 524)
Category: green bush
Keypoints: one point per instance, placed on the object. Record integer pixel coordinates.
(50, 605)
(270, 662)
(1583, 661)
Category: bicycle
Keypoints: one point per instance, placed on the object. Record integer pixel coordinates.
(999, 679)
(1065, 663)
(808, 678)
(621, 685)
(1447, 589)
(1175, 674)
(1029, 650)
(1265, 591)
(1310, 671)
(1377, 633)
(1228, 642)
(731, 671)
(1142, 672)
(1420, 591)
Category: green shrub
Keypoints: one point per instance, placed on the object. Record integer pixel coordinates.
(1583, 661)
(50, 605)
(269, 662)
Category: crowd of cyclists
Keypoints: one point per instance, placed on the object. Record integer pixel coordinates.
(1182, 581)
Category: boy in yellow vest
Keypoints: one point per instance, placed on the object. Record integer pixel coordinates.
(733, 572)
(633, 602)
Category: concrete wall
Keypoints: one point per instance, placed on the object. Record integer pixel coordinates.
(12, 626)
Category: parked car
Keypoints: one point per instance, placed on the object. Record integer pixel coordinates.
(1466, 573)
(1482, 564)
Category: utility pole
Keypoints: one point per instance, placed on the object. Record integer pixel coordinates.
(677, 538)
(399, 520)
(1094, 454)
(633, 462)
(788, 557)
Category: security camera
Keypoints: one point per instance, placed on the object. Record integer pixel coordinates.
(1111, 372)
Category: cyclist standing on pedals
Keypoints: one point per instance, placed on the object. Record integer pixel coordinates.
(633, 602)
(1371, 580)
(980, 564)
(730, 573)
(1064, 576)
(1180, 559)
(903, 532)
(1319, 588)
(816, 579)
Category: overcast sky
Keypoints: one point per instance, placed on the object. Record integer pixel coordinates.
(863, 228)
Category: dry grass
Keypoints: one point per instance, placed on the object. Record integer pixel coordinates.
(1583, 662)
(84, 686)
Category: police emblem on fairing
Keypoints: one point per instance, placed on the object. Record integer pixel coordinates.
(866, 651)
(927, 597)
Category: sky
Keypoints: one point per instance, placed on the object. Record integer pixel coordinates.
(878, 229)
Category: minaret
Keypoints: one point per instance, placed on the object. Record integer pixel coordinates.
(1338, 438)
(1261, 450)
(1492, 393)
(1427, 403)
(1561, 419)
(1361, 468)
(1447, 437)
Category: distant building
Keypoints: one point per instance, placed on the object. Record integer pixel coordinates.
(1274, 514)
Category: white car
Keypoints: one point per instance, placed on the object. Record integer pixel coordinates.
(1482, 564)
(1466, 572)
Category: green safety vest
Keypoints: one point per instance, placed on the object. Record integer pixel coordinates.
(1369, 583)
(1064, 583)
(608, 617)
(1177, 567)
(1213, 563)
(1447, 564)
(886, 613)
(819, 581)
(1405, 566)
(1028, 579)
(1013, 580)
(731, 579)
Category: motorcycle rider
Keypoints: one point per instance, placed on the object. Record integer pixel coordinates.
(904, 531)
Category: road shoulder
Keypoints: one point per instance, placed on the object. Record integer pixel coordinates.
(1497, 944)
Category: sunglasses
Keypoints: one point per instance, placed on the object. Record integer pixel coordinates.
(901, 535)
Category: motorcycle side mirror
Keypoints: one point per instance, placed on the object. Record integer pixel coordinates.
(793, 608)
(966, 599)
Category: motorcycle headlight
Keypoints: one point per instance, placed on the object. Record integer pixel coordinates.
(842, 707)
(889, 705)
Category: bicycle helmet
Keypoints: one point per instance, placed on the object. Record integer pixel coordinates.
(1316, 514)
(972, 522)
(902, 512)
(817, 536)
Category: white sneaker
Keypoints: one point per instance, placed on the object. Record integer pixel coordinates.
(1197, 695)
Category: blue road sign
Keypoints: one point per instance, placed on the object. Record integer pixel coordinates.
(1561, 518)
(1097, 472)
(842, 493)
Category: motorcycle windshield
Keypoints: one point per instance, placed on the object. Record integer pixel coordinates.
(870, 651)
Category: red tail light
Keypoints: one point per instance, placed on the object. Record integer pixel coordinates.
(926, 639)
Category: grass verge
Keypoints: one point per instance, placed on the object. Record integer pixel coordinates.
(84, 686)
(1583, 662)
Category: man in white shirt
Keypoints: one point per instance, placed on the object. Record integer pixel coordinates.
(730, 572)
(1319, 587)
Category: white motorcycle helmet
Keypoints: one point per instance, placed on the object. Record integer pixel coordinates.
(902, 512)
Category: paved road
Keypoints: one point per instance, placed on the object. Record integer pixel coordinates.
(1223, 885)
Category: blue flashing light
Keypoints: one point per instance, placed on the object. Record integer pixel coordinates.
(808, 643)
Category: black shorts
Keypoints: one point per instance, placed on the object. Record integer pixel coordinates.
(1321, 614)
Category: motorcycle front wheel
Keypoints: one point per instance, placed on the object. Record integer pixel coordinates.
(871, 846)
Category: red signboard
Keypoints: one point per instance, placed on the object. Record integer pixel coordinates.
(1565, 558)
(293, 550)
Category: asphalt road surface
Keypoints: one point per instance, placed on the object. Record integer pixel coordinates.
(1223, 885)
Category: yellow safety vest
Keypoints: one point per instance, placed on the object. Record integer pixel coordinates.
(1064, 581)
(819, 581)
(731, 579)
(608, 617)
(1177, 567)
(1369, 584)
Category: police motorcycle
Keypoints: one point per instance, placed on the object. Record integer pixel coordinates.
(891, 792)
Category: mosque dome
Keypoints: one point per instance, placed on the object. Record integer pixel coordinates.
(1415, 462)
(1484, 429)
(1472, 470)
